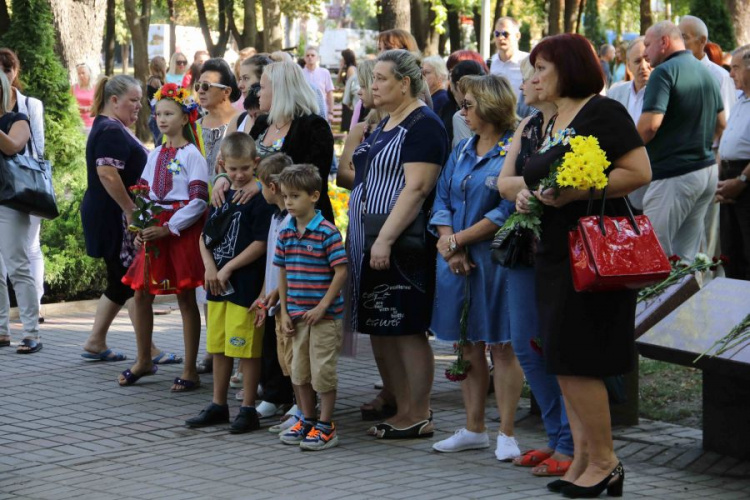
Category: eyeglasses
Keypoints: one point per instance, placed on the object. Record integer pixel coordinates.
(504, 34)
(181, 63)
(465, 105)
(204, 86)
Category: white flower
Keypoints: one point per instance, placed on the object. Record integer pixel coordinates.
(702, 258)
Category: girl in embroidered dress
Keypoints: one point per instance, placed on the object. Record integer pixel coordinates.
(169, 260)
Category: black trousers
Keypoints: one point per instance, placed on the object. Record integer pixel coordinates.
(277, 388)
(734, 229)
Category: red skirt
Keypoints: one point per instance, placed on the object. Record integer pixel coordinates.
(172, 265)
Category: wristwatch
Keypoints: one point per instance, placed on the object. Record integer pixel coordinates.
(743, 178)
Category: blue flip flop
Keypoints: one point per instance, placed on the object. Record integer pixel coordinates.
(167, 358)
(131, 378)
(104, 356)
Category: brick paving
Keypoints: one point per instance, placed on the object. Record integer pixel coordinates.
(68, 431)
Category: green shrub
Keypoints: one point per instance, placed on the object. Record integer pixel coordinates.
(69, 272)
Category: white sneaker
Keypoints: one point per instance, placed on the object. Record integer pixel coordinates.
(284, 425)
(507, 448)
(463, 440)
(266, 409)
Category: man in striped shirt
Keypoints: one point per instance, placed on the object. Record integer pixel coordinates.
(313, 261)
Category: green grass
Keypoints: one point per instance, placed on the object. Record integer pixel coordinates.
(670, 393)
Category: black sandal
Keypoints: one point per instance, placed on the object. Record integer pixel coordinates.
(387, 431)
(33, 346)
(372, 411)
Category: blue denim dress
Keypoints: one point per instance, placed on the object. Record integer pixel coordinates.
(466, 194)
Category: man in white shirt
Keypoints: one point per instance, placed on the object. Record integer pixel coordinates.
(319, 77)
(507, 59)
(630, 94)
(695, 34)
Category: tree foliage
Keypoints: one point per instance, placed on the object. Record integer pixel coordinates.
(592, 24)
(716, 16)
(31, 36)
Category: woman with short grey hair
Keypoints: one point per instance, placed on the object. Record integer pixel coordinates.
(436, 76)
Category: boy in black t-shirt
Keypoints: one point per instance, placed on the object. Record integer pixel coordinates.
(235, 268)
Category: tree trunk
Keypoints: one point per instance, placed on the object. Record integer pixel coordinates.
(739, 11)
(432, 40)
(4, 16)
(172, 27)
(125, 55)
(454, 28)
(249, 26)
(394, 14)
(570, 16)
(138, 23)
(109, 39)
(581, 6)
(499, 9)
(418, 28)
(273, 34)
(215, 49)
(555, 15)
(476, 12)
(74, 45)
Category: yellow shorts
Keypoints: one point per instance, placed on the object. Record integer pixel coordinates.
(283, 349)
(231, 331)
(316, 353)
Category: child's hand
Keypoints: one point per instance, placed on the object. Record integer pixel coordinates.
(223, 276)
(138, 241)
(211, 282)
(314, 315)
(287, 326)
(154, 233)
(272, 298)
(260, 310)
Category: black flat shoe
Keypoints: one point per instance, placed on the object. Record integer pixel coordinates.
(31, 345)
(212, 414)
(247, 420)
(557, 485)
(613, 483)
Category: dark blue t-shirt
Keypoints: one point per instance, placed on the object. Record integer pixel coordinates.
(8, 119)
(250, 223)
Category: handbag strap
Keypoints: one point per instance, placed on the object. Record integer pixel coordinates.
(408, 125)
(630, 215)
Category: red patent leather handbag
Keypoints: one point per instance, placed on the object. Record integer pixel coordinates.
(615, 253)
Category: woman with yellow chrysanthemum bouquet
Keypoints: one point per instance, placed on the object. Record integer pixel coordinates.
(585, 336)
(168, 261)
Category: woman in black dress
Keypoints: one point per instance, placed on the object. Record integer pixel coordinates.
(586, 336)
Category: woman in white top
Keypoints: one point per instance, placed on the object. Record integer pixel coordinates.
(34, 110)
(178, 65)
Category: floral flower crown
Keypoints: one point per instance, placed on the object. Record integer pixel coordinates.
(181, 96)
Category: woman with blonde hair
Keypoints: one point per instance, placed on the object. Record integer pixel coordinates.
(178, 65)
(83, 91)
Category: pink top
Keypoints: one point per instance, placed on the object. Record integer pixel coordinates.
(85, 99)
(319, 77)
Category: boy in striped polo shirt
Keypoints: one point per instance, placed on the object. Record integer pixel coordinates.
(313, 261)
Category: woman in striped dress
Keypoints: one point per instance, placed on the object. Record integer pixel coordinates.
(404, 155)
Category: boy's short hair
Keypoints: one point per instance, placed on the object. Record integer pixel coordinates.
(271, 166)
(304, 177)
(238, 145)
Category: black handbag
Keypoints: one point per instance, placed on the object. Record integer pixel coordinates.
(513, 247)
(26, 184)
(411, 239)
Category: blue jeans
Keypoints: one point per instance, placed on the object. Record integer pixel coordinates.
(524, 326)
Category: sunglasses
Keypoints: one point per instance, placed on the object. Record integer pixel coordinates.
(465, 105)
(204, 86)
(504, 34)
(181, 63)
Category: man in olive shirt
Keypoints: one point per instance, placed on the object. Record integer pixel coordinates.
(682, 114)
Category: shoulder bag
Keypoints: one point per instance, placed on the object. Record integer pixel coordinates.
(615, 253)
(26, 182)
(411, 239)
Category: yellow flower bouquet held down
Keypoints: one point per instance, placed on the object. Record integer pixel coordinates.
(583, 167)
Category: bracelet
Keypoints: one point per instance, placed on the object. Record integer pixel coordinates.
(219, 176)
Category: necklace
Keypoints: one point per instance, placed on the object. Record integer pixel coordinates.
(278, 129)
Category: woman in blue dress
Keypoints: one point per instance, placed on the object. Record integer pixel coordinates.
(468, 211)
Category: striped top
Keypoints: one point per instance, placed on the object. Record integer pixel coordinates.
(309, 259)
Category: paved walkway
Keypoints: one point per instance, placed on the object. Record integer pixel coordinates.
(68, 431)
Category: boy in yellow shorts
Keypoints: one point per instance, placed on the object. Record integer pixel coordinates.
(233, 247)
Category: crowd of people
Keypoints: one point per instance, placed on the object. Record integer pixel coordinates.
(439, 154)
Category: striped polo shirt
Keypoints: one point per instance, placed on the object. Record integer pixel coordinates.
(309, 259)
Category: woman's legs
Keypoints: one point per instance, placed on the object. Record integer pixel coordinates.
(474, 387)
(191, 332)
(392, 372)
(143, 322)
(14, 252)
(508, 378)
(410, 365)
(380, 353)
(588, 404)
